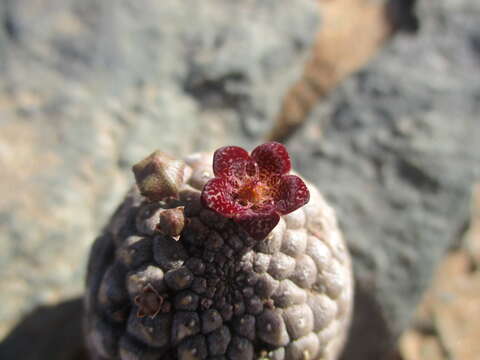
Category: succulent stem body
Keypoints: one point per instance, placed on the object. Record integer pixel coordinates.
(197, 285)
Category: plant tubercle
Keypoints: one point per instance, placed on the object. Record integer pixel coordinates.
(254, 189)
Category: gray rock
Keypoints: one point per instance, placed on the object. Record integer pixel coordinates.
(398, 151)
(90, 87)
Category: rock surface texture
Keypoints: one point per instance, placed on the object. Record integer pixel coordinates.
(442, 328)
(88, 87)
(397, 155)
(352, 32)
(215, 292)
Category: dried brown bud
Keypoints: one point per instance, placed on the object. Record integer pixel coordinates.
(149, 302)
(159, 176)
(172, 221)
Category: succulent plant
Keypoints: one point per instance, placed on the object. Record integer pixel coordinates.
(239, 271)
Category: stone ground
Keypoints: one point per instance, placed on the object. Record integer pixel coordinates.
(86, 90)
(445, 326)
(395, 149)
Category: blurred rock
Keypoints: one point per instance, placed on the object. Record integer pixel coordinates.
(396, 150)
(443, 327)
(90, 87)
(445, 318)
(472, 235)
(352, 32)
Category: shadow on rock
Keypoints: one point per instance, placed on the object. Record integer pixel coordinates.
(402, 14)
(367, 315)
(48, 332)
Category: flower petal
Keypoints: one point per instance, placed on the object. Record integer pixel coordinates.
(226, 157)
(258, 225)
(217, 195)
(292, 194)
(272, 157)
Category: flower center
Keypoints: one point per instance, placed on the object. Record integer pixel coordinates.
(253, 194)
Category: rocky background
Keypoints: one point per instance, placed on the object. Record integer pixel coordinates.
(378, 102)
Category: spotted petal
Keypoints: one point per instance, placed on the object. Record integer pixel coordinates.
(258, 225)
(272, 158)
(226, 157)
(292, 194)
(217, 196)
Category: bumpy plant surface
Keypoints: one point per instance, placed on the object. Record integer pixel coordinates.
(227, 264)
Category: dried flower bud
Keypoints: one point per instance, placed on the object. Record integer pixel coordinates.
(159, 176)
(149, 302)
(172, 221)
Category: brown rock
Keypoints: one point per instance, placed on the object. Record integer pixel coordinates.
(446, 326)
(352, 32)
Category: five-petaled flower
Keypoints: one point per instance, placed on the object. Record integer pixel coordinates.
(254, 190)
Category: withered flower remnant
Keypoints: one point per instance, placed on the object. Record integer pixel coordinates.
(149, 302)
(172, 221)
(159, 176)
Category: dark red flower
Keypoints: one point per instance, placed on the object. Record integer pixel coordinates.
(254, 190)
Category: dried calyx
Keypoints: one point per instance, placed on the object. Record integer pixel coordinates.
(149, 302)
(159, 176)
(172, 221)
